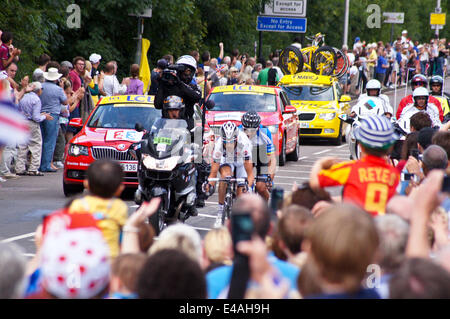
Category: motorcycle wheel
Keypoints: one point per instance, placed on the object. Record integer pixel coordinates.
(157, 221)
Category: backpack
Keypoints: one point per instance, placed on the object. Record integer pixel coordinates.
(272, 77)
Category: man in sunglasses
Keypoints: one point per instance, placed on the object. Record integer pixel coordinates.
(436, 86)
(263, 153)
(419, 80)
(421, 103)
(232, 155)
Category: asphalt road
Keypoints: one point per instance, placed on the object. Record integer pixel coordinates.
(24, 201)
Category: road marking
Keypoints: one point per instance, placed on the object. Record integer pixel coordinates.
(342, 146)
(291, 177)
(8, 240)
(29, 255)
(134, 206)
(290, 171)
(302, 158)
(201, 228)
(321, 152)
(205, 215)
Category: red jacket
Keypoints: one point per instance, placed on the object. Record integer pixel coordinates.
(409, 99)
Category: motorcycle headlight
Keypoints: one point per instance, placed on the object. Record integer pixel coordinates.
(167, 164)
(77, 150)
(327, 116)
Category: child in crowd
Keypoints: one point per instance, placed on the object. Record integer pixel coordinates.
(104, 182)
(124, 272)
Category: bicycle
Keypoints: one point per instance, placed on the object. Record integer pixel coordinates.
(230, 194)
(317, 59)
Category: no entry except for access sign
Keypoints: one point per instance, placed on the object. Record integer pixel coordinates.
(279, 24)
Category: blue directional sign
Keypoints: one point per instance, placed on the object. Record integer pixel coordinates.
(281, 24)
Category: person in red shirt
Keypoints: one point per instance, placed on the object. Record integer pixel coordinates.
(369, 182)
(8, 53)
(417, 81)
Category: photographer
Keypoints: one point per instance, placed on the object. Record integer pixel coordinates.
(176, 80)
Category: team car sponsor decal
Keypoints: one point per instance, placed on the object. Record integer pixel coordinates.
(123, 135)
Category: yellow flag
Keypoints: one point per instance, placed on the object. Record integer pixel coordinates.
(144, 68)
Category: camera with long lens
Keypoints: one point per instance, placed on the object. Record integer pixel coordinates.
(169, 77)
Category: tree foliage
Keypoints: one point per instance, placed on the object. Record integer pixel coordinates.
(179, 26)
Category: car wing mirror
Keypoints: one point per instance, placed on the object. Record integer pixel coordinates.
(290, 109)
(76, 122)
(138, 127)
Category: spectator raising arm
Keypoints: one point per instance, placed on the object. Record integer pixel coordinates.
(426, 199)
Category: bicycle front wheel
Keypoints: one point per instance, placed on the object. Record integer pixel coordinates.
(324, 61)
(291, 60)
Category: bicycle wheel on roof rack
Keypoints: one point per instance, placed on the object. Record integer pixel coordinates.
(291, 60)
(342, 64)
(324, 61)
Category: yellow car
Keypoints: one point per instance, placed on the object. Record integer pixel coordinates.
(319, 101)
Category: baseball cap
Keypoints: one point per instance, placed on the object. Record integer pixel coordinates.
(376, 132)
(162, 63)
(357, 39)
(404, 31)
(95, 58)
(67, 64)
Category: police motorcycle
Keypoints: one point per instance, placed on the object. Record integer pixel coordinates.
(354, 122)
(166, 169)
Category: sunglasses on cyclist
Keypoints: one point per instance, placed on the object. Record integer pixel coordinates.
(228, 141)
(250, 130)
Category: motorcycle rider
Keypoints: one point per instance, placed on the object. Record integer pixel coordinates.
(174, 108)
(232, 154)
(418, 80)
(264, 160)
(436, 86)
(176, 80)
(421, 103)
(364, 107)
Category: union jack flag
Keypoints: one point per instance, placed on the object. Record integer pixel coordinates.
(14, 127)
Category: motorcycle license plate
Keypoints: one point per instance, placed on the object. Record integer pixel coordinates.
(129, 167)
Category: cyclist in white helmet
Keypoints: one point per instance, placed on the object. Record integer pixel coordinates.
(372, 102)
(421, 103)
(232, 154)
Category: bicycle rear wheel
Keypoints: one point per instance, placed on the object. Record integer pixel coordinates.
(291, 60)
(342, 64)
(324, 61)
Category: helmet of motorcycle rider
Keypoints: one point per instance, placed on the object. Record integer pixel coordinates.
(419, 79)
(373, 85)
(418, 93)
(251, 119)
(171, 104)
(436, 80)
(190, 68)
(229, 132)
(376, 132)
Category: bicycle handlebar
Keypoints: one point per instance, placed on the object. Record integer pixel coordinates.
(230, 180)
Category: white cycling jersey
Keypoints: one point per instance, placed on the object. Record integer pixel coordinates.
(369, 105)
(237, 155)
(409, 110)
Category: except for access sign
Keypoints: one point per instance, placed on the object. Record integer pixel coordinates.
(281, 24)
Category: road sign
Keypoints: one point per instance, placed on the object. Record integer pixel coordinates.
(394, 17)
(437, 18)
(147, 13)
(286, 8)
(280, 24)
(437, 26)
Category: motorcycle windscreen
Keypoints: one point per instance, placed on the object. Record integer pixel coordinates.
(168, 137)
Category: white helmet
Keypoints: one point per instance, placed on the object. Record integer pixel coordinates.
(229, 131)
(188, 61)
(420, 91)
(373, 85)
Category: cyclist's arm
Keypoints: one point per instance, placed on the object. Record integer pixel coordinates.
(273, 165)
(214, 169)
(248, 165)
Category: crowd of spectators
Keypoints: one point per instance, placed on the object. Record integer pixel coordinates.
(49, 98)
(393, 63)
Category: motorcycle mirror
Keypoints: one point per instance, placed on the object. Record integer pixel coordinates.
(132, 152)
(138, 127)
(210, 104)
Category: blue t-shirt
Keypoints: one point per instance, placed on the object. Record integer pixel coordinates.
(218, 280)
(398, 57)
(266, 136)
(381, 61)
